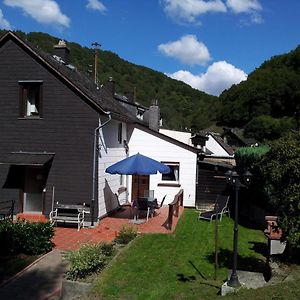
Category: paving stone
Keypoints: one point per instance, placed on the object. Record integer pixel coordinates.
(108, 228)
(250, 280)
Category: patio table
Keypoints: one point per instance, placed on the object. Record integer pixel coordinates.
(151, 204)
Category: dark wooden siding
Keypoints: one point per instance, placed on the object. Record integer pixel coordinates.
(210, 184)
(67, 128)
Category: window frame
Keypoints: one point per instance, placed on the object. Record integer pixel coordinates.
(24, 86)
(175, 182)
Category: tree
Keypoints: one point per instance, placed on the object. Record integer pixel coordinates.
(178, 101)
(272, 90)
(281, 171)
(265, 127)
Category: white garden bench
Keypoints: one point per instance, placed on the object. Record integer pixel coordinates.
(69, 213)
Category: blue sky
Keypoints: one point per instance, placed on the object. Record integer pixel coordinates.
(209, 44)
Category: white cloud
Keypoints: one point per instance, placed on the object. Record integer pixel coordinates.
(256, 18)
(4, 24)
(218, 77)
(189, 10)
(43, 11)
(187, 49)
(96, 5)
(244, 6)
(252, 7)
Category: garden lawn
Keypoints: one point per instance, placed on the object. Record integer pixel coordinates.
(180, 265)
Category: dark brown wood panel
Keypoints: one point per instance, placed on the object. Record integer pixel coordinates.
(66, 128)
(210, 184)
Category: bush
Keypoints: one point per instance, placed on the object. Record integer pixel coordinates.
(249, 159)
(88, 259)
(281, 170)
(8, 241)
(125, 235)
(24, 237)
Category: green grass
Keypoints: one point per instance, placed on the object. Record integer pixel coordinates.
(11, 265)
(180, 265)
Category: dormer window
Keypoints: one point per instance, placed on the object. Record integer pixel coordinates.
(30, 99)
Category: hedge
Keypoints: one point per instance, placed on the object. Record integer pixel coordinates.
(25, 237)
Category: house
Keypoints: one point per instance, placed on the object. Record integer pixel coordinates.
(60, 131)
(215, 157)
(232, 138)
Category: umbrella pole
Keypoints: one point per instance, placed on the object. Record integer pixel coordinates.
(138, 195)
(138, 189)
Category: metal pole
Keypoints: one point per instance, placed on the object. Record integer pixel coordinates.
(53, 193)
(94, 176)
(95, 155)
(216, 244)
(234, 281)
(96, 46)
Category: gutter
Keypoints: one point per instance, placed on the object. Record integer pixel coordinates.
(96, 132)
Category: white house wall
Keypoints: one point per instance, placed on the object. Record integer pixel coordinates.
(215, 147)
(111, 151)
(162, 150)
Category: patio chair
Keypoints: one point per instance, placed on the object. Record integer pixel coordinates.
(154, 205)
(143, 206)
(221, 207)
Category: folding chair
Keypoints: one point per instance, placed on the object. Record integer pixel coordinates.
(221, 207)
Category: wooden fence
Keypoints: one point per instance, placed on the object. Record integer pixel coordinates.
(174, 208)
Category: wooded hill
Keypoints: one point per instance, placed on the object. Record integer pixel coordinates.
(181, 106)
(267, 105)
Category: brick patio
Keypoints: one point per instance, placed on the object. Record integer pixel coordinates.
(108, 228)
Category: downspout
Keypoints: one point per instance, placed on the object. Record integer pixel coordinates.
(96, 132)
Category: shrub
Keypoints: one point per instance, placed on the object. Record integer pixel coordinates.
(281, 170)
(88, 259)
(249, 158)
(34, 238)
(8, 240)
(24, 237)
(125, 235)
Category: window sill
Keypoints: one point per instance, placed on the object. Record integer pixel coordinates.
(30, 118)
(169, 184)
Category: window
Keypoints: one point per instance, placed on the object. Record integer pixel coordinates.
(30, 99)
(174, 174)
(120, 133)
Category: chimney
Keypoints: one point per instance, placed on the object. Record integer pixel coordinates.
(62, 51)
(154, 116)
(130, 97)
(111, 86)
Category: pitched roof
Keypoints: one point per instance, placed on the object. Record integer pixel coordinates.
(221, 142)
(98, 98)
(167, 138)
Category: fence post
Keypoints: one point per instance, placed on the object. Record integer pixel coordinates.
(170, 217)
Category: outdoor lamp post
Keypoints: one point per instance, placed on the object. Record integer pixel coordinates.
(233, 178)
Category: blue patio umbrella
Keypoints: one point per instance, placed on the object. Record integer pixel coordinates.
(138, 164)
